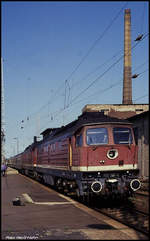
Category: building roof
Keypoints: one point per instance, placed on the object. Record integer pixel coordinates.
(121, 111)
(121, 114)
(137, 116)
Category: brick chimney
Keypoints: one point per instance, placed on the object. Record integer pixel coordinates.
(127, 75)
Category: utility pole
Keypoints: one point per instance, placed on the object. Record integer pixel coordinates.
(2, 108)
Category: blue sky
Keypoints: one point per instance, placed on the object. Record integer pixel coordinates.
(60, 56)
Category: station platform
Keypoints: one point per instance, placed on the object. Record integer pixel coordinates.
(45, 214)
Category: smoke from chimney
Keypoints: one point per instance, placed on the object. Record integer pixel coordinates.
(127, 75)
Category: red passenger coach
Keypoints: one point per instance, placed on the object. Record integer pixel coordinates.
(93, 155)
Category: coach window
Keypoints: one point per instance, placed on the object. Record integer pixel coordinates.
(79, 140)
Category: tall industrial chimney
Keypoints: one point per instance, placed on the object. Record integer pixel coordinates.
(127, 76)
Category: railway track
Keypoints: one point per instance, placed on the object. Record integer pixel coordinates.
(136, 220)
(141, 202)
(127, 213)
(133, 212)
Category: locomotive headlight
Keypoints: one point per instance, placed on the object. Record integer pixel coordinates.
(112, 154)
(96, 186)
(135, 184)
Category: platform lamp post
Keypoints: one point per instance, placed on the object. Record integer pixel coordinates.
(16, 138)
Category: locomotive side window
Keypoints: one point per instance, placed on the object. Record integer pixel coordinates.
(97, 136)
(79, 140)
(122, 135)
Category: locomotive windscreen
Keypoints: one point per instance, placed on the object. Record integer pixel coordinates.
(122, 135)
(97, 136)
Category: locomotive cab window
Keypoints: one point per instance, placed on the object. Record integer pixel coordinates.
(122, 135)
(97, 136)
(79, 140)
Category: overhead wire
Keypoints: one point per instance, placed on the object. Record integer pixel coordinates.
(101, 91)
(106, 72)
(47, 103)
(138, 67)
(140, 97)
(69, 105)
(66, 107)
(94, 94)
(97, 68)
(83, 59)
(93, 82)
(96, 41)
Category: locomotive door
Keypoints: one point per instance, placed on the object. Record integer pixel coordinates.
(34, 157)
(70, 154)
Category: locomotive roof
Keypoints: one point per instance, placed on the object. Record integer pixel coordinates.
(49, 131)
(88, 118)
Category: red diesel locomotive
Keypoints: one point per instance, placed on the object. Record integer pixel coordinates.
(93, 155)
